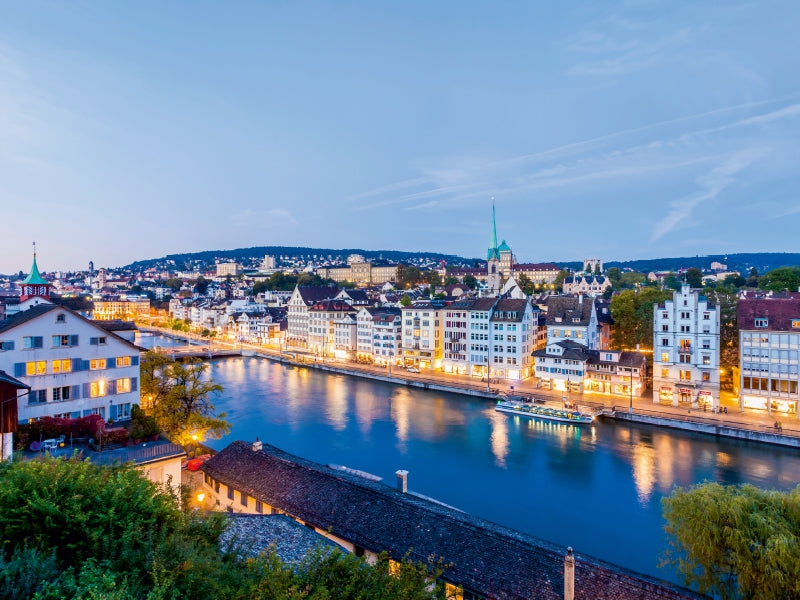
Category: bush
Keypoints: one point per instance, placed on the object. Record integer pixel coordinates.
(50, 427)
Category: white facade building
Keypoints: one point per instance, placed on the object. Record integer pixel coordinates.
(422, 335)
(686, 351)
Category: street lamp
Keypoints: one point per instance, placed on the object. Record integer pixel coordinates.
(630, 391)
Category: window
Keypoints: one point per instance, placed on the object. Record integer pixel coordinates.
(665, 372)
(685, 375)
(795, 323)
(665, 341)
(62, 366)
(37, 397)
(706, 359)
(761, 322)
(665, 328)
(61, 340)
(8, 345)
(32, 341)
(706, 376)
(97, 364)
(259, 506)
(60, 394)
(242, 498)
(665, 357)
(97, 341)
(61, 318)
(706, 316)
(97, 389)
(123, 385)
(230, 493)
(686, 358)
(38, 367)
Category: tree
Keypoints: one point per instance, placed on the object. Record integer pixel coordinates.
(405, 300)
(614, 276)
(450, 280)
(174, 284)
(752, 278)
(735, 541)
(408, 275)
(631, 279)
(525, 284)
(433, 278)
(201, 285)
(179, 397)
(671, 282)
(470, 281)
(558, 283)
(694, 277)
(781, 279)
(632, 312)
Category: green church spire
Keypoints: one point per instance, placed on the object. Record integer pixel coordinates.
(34, 278)
(493, 248)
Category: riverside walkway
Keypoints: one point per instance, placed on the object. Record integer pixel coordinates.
(749, 424)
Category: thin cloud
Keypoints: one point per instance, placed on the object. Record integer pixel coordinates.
(392, 187)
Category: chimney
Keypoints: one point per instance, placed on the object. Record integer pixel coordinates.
(569, 575)
(257, 445)
(402, 481)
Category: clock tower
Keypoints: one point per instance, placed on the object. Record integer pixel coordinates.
(34, 284)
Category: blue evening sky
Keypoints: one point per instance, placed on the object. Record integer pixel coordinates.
(620, 130)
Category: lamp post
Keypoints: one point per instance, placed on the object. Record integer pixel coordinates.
(630, 390)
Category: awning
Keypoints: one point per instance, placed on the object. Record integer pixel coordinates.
(706, 393)
(685, 391)
(666, 388)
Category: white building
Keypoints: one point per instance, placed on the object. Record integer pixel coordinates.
(422, 334)
(228, 268)
(364, 341)
(769, 344)
(387, 331)
(302, 298)
(322, 317)
(573, 318)
(686, 351)
(74, 367)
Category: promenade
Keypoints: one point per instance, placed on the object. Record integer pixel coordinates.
(756, 421)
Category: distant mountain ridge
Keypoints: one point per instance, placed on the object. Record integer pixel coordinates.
(742, 262)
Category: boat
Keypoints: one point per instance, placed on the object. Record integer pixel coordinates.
(545, 413)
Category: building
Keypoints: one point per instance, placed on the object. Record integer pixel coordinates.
(322, 317)
(686, 351)
(572, 318)
(225, 269)
(121, 309)
(494, 274)
(366, 517)
(362, 272)
(422, 334)
(615, 373)
(9, 419)
(590, 285)
(562, 365)
(538, 273)
(769, 342)
(301, 300)
(387, 335)
(512, 338)
(364, 340)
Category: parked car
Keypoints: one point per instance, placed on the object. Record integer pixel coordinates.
(413, 370)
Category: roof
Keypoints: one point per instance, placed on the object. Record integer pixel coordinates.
(509, 309)
(6, 378)
(313, 293)
(253, 534)
(116, 325)
(572, 350)
(503, 247)
(567, 308)
(626, 359)
(34, 277)
(485, 558)
(331, 306)
(780, 310)
(536, 267)
(140, 455)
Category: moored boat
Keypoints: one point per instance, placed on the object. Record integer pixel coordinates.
(542, 412)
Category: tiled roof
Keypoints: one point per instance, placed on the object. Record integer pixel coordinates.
(779, 310)
(567, 308)
(312, 293)
(536, 267)
(508, 306)
(331, 306)
(486, 558)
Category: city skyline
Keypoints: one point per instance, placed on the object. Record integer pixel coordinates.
(627, 130)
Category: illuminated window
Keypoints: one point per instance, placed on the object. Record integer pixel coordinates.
(665, 372)
(97, 364)
(38, 367)
(62, 366)
(123, 385)
(453, 592)
(795, 323)
(665, 357)
(97, 389)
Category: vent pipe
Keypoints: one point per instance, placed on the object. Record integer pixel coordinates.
(402, 481)
(569, 575)
(257, 445)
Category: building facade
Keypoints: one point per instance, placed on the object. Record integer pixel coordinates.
(422, 335)
(686, 351)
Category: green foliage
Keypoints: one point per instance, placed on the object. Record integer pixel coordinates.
(450, 280)
(433, 278)
(694, 277)
(735, 541)
(405, 300)
(179, 397)
(632, 312)
(614, 276)
(630, 279)
(174, 284)
(73, 530)
(560, 277)
(51, 427)
(408, 275)
(201, 285)
(671, 282)
(525, 284)
(470, 281)
(781, 279)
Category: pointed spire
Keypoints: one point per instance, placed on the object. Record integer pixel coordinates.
(492, 254)
(34, 278)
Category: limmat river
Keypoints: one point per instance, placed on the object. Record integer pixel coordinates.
(596, 488)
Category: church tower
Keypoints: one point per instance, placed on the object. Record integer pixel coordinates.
(493, 271)
(34, 284)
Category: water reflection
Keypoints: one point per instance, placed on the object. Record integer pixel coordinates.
(597, 488)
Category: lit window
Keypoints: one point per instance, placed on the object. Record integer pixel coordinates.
(123, 361)
(123, 385)
(38, 367)
(97, 389)
(665, 357)
(62, 366)
(97, 363)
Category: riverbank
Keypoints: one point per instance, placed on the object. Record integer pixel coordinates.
(740, 425)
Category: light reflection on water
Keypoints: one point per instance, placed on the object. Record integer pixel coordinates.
(597, 488)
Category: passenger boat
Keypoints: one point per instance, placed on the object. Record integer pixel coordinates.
(541, 412)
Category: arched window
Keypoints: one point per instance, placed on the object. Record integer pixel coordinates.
(494, 269)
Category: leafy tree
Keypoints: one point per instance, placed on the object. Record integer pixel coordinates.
(560, 277)
(631, 279)
(734, 281)
(525, 284)
(470, 281)
(450, 280)
(408, 275)
(405, 300)
(735, 541)
(672, 282)
(632, 312)
(752, 278)
(780, 279)
(179, 397)
(174, 284)
(201, 285)
(433, 278)
(311, 279)
(694, 277)
(614, 276)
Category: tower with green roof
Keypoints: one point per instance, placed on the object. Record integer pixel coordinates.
(493, 271)
(34, 284)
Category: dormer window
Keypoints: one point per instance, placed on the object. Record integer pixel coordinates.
(761, 322)
(61, 318)
(795, 323)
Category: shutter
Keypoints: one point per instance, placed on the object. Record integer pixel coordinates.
(112, 412)
(134, 384)
(37, 341)
(8, 345)
(77, 364)
(76, 392)
(76, 414)
(86, 365)
(93, 341)
(73, 340)
(87, 390)
(19, 369)
(111, 388)
(111, 363)
(135, 361)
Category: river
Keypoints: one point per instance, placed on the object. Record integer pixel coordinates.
(596, 488)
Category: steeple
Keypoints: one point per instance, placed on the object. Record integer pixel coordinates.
(34, 284)
(492, 254)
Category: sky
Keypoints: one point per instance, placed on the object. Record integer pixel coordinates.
(615, 129)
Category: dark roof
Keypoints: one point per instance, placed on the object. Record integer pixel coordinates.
(536, 267)
(116, 325)
(250, 535)
(486, 558)
(567, 309)
(572, 350)
(358, 296)
(141, 455)
(780, 309)
(331, 306)
(313, 293)
(589, 279)
(6, 378)
(626, 359)
(506, 307)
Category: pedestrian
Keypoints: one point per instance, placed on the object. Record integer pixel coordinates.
(725, 409)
